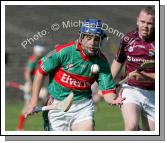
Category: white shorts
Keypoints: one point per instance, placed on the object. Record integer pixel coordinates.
(27, 96)
(79, 111)
(145, 99)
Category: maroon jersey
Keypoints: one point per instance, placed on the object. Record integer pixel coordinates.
(134, 51)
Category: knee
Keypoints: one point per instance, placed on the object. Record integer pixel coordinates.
(87, 125)
(131, 127)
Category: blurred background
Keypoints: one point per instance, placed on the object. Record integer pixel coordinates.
(32, 25)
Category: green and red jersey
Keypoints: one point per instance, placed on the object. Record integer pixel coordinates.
(69, 70)
(32, 65)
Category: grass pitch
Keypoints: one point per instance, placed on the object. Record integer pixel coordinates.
(107, 118)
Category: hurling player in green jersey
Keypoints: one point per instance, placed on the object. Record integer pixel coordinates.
(29, 73)
(74, 67)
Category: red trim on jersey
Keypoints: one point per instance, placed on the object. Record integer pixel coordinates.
(108, 91)
(31, 58)
(56, 46)
(40, 62)
(72, 81)
(60, 47)
(34, 71)
(40, 69)
(79, 48)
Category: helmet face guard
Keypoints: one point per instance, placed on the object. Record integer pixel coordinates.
(92, 27)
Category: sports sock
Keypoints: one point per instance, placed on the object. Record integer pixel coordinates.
(21, 121)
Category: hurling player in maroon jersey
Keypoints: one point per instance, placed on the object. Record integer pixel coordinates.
(137, 47)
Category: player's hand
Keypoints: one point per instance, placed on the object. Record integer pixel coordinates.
(50, 100)
(118, 100)
(29, 110)
(136, 76)
(113, 99)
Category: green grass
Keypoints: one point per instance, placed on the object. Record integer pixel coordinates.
(33, 123)
(106, 118)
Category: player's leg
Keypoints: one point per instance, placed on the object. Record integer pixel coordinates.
(78, 117)
(148, 124)
(149, 110)
(20, 125)
(140, 127)
(46, 101)
(131, 108)
(84, 117)
(45, 120)
(151, 125)
(131, 114)
(86, 125)
(21, 118)
(58, 121)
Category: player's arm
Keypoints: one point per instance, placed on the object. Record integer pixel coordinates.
(96, 93)
(116, 68)
(107, 85)
(47, 64)
(109, 97)
(142, 76)
(149, 76)
(119, 59)
(38, 80)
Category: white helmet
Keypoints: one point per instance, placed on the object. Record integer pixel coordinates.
(39, 49)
